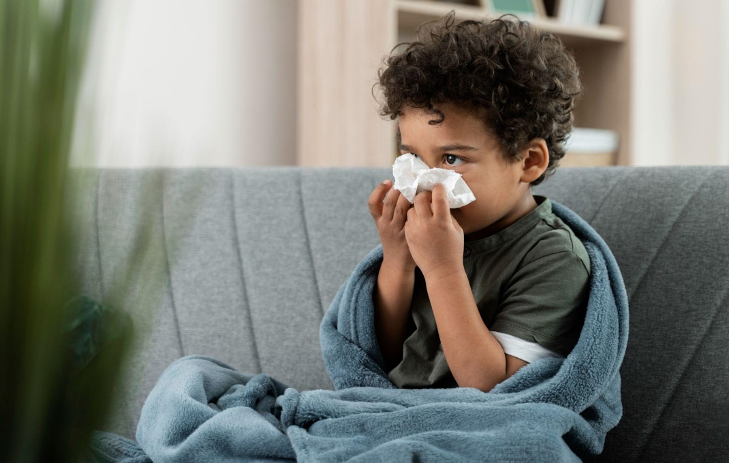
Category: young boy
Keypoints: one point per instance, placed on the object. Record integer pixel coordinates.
(468, 296)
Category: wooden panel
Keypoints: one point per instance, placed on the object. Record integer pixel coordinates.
(605, 73)
(341, 46)
(573, 159)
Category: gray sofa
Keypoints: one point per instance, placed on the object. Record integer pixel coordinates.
(252, 258)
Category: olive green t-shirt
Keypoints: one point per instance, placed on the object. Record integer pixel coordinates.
(529, 280)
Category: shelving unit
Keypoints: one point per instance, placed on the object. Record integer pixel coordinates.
(412, 13)
(602, 53)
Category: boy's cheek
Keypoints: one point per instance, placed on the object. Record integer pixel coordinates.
(463, 218)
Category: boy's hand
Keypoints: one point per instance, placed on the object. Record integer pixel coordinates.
(434, 237)
(390, 219)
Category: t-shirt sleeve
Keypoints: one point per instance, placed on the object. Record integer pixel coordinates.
(545, 302)
(522, 349)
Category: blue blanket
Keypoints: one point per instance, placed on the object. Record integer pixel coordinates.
(551, 410)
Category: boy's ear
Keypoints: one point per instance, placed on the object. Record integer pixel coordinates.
(535, 159)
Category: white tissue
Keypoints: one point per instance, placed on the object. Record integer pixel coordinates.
(412, 176)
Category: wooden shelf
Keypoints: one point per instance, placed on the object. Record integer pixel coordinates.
(342, 44)
(412, 13)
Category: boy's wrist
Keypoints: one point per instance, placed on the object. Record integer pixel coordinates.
(395, 267)
(445, 276)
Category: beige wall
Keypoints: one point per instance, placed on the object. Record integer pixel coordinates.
(681, 82)
(214, 82)
(341, 46)
(190, 83)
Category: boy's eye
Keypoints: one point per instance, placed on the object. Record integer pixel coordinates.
(453, 160)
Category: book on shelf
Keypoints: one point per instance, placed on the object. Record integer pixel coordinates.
(588, 140)
(587, 12)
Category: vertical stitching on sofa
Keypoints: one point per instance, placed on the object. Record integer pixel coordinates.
(665, 238)
(645, 443)
(644, 447)
(98, 233)
(308, 243)
(242, 274)
(167, 262)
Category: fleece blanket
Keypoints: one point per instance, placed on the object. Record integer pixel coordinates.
(551, 410)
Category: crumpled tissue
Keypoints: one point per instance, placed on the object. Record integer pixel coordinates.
(412, 176)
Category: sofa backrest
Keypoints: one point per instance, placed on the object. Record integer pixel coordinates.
(252, 258)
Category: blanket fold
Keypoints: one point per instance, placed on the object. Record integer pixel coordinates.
(554, 409)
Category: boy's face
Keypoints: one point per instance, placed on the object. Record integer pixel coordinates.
(462, 143)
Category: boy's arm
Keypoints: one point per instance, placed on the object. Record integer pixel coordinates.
(396, 278)
(475, 358)
(393, 295)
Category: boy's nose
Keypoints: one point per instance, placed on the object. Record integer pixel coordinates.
(429, 163)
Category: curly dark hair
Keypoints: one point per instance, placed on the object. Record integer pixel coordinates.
(522, 82)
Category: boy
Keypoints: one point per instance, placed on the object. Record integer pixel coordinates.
(468, 296)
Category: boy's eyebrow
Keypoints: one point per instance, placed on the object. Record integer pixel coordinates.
(452, 146)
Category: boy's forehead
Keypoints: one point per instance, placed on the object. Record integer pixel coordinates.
(447, 108)
(472, 137)
(449, 132)
(447, 117)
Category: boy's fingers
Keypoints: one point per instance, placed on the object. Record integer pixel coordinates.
(422, 204)
(375, 200)
(401, 209)
(411, 216)
(456, 224)
(390, 202)
(440, 202)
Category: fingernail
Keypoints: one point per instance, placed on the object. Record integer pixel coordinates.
(387, 182)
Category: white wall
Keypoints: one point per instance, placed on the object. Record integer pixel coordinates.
(724, 97)
(680, 82)
(190, 83)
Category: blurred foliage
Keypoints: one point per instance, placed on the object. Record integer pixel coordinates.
(62, 354)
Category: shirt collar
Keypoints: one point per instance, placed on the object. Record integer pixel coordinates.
(515, 230)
